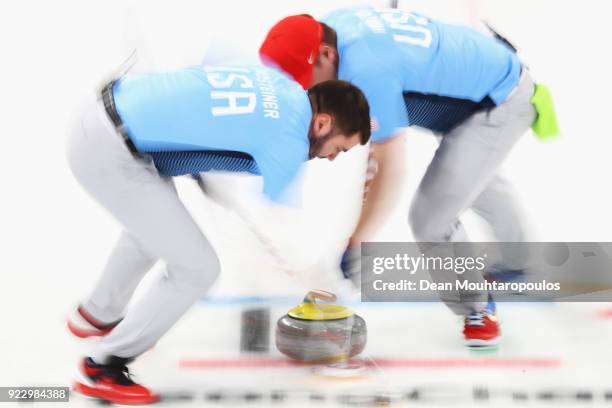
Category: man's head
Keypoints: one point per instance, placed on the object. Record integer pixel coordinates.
(340, 118)
(302, 47)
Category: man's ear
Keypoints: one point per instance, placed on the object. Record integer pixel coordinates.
(322, 124)
(327, 52)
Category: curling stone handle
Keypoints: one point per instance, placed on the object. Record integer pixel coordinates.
(320, 295)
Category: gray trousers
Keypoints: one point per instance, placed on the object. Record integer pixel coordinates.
(463, 175)
(156, 226)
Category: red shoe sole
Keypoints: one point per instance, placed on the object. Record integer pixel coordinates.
(83, 334)
(103, 395)
(493, 341)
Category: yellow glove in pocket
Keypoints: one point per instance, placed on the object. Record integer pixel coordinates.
(546, 126)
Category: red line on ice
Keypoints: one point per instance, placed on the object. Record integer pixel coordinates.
(380, 362)
(606, 314)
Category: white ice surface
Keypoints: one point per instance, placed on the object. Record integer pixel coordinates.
(55, 239)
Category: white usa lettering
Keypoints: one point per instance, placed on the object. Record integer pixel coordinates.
(236, 102)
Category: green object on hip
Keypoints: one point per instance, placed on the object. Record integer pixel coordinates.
(546, 126)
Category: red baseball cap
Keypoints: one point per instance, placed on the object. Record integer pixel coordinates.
(293, 45)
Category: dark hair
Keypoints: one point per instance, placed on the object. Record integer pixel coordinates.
(329, 35)
(346, 104)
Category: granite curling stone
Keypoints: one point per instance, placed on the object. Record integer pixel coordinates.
(315, 331)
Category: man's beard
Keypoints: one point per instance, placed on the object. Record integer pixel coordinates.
(316, 144)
